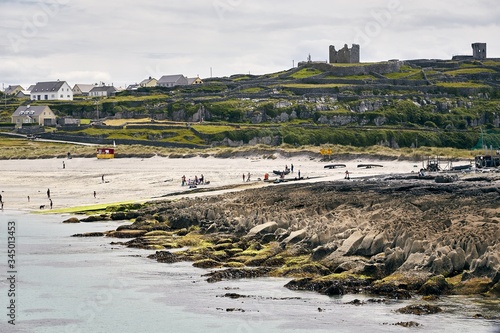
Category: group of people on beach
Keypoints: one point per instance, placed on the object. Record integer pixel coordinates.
(193, 182)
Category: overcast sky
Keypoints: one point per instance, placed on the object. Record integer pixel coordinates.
(125, 41)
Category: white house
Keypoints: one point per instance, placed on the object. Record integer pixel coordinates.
(50, 91)
(172, 81)
(82, 89)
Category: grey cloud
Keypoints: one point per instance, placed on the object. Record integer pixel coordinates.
(129, 39)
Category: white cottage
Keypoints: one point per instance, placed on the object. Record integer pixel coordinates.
(52, 91)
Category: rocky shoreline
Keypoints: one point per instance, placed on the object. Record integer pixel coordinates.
(390, 237)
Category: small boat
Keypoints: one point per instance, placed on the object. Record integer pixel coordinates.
(277, 172)
(369, 166)
(334, 166)
(461, 167)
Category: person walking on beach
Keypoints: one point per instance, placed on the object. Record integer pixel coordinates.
(64, 165)
(28, 198)
(347, 175)
(0, 198)
(95, 194)
(299, 174)
(243, 177)
(248, 177)
(291, 167)
(102, 178)
(48, 193)
(50, 203)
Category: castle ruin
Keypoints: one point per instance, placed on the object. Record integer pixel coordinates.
(345, 55)
(479, 51)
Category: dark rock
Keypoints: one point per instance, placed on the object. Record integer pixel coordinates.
(420, 309)
(329, 287)
(234, 295)
(356, 302)
(90, 234)
(183, 221)
(126, 233)
(322, 251)
(274, 262)
(72, 220)
(96, 218)
(206, 263)
(407, 324)
(436, 285)
(389, 290)
(164, 257)
(334, 290)
(234, 309)
(236, 273)
(267, 238)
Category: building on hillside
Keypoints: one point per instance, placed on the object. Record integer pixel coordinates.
(23, 94)
(13, 90)
(52, 91)
(41, 115)
(478, 53)
(134, 86)
(69, 121)
(172, 80)
(30, 88)
(194, 80)
(148, 83)
(310, 61)
(345, 55)
(103, 91)
(80, 89)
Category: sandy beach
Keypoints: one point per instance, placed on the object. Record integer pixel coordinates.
(136, 179)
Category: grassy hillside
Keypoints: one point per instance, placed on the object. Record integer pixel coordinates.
(411, 104)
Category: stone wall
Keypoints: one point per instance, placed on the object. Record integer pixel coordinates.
(362, 69)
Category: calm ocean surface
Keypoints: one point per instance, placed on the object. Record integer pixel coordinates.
(66, 284)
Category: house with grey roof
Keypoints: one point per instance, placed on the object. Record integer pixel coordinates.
(52, 91)
(172, 81)
(13, 90)
(27, 114)
(102, 91)
(23, 94)
(149, 82)
(134, 86)
(80, 89)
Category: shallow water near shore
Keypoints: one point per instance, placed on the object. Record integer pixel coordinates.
(66, 284)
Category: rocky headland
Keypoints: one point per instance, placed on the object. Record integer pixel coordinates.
(393, 236)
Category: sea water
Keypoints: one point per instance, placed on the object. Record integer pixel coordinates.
(68, 284)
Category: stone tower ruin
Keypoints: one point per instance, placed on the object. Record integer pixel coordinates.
(479, 51)
(345, 55)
